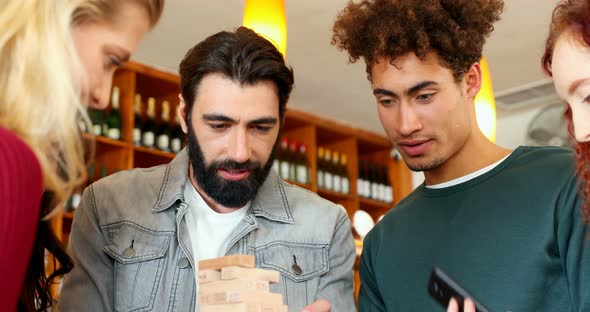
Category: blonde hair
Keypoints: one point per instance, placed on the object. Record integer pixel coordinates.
(106, 10)
(39, 96)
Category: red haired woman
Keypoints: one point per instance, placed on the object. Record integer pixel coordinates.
(567, 60)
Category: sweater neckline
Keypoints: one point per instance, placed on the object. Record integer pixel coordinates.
(467, 184)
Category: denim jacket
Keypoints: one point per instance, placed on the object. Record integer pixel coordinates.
(132, 252)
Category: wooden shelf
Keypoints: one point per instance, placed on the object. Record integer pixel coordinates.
(154, 152)
(161, 75)
(374, 204)
(148, 157)
(305, 186)
(105, 141)
(334, 196)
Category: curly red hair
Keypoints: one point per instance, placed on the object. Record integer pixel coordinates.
(455, 30)
(572, 15)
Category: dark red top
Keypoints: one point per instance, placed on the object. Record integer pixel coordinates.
(21, 188)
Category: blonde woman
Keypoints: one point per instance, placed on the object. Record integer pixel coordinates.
(106, 32)
(39, 105)
(55, 57)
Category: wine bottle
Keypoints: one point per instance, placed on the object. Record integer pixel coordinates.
(97, 119)
(360, 182)
(104, 125)
(328, 177)
(82, 124)
(91, 169)
(374, 180)
(284, 162)
(114, 118)
(382, 183)
(276, 163)
(164, 131)
(344, 174)
(388, 187)
(321, 166)
(177, 136)
(302, 165)
(336, 178)
(103, 172)
(293, 161)
(148, 130)
(76, 197)
(369, 185)
(137, 121)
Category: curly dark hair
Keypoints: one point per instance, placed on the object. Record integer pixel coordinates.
(455, 30)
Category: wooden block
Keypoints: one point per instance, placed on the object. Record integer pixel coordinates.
(206, 276)
(240, 296)
(242, 307)
(223, 285)
(234, 272)
(246, 261)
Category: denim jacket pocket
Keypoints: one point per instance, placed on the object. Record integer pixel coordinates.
(139, 262)
(300, 265)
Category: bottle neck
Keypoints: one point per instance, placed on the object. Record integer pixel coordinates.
(151, 110)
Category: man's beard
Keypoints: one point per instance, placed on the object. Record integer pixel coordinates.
(231, 194)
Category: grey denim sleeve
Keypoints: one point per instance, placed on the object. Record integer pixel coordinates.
(336, 285)
(89, 287)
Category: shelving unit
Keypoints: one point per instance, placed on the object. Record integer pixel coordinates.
(314, 131)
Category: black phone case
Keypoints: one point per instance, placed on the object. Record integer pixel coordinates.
(442, 288)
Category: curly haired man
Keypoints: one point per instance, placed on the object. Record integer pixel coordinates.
(502, 223)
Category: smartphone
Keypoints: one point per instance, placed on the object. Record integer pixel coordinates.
(442, 288)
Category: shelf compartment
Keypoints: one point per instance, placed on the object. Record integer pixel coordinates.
(100, 140)
(305, 186)
(148, 157)
(334, 196)
(374, 204)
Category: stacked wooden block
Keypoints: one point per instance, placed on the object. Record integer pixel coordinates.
(233, 284)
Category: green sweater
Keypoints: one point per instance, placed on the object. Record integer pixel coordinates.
(513, 237)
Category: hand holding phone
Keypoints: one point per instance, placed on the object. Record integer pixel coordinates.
(442, 288)
(468, 306)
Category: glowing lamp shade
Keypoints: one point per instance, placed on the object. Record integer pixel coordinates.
(267, 18)
(485, 105)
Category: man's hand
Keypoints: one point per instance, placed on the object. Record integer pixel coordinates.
(468, 306)
(321, 305)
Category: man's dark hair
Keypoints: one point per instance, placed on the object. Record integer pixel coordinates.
(242, 56)
(455, 30)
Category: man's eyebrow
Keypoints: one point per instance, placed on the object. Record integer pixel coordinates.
(419, 86)
(411, 90)
(218, 117)
(386, 92)
(263, 120)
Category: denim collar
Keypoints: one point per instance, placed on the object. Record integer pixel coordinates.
(271, 201)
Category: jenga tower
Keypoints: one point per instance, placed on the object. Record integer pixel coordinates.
(233, 284)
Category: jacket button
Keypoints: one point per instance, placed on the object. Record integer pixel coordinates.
(296, 269)
(183, 263)
(129, 252)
